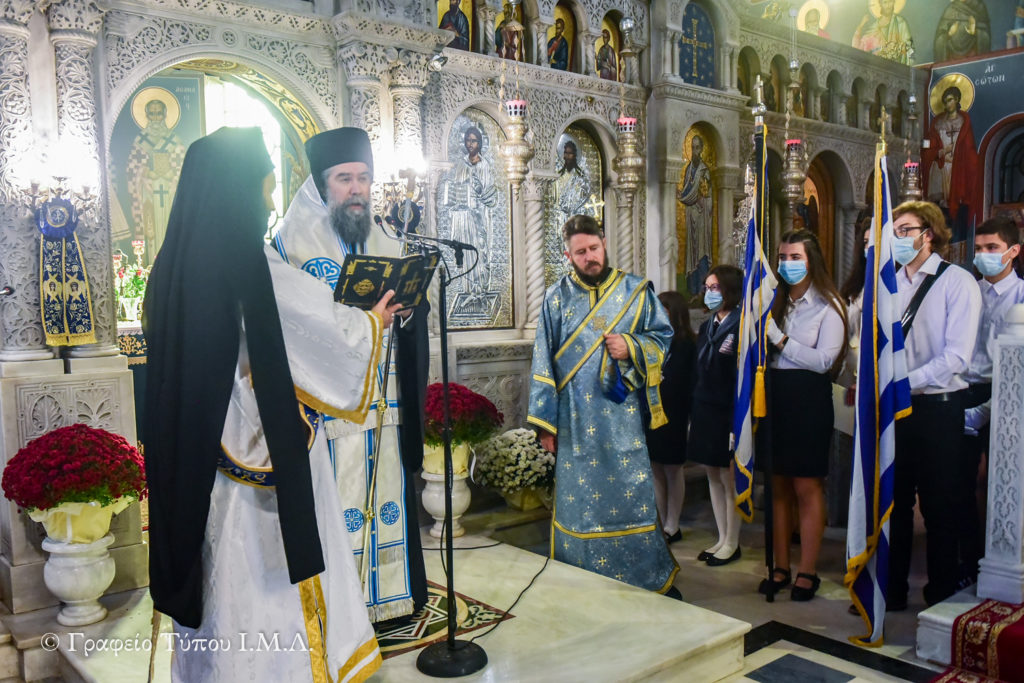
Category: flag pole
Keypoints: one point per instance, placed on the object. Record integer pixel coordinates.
(759, 408)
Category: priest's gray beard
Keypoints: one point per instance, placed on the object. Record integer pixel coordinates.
(352, 227)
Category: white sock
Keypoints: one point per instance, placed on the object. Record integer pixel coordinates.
(731, 537)
(718, 504)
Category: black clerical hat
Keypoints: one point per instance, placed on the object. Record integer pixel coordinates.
(338, 146)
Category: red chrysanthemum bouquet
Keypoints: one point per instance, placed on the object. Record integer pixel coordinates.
(74, 479)
(474, 420)
(474, 417)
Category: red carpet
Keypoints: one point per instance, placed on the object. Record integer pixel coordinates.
(988, 645)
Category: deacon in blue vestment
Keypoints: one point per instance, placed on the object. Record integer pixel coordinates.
(601, 339)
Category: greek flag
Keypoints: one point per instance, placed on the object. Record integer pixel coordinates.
(883, 396)
(758, 294)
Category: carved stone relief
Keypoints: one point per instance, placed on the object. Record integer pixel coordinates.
(137, 46)
(1005, 476)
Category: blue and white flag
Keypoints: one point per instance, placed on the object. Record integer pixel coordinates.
(758, 294)
(883, 396)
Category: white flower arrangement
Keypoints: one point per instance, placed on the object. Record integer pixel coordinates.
(513, 461)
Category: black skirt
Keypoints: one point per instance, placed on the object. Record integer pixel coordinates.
(802, 420)
(710, 426)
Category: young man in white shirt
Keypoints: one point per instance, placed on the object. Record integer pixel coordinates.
(996, 246)
(940, 332)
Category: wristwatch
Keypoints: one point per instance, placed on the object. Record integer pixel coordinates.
(782, 342)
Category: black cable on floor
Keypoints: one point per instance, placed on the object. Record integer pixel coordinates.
(514, 602)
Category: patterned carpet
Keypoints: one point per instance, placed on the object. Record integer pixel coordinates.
(431, 624)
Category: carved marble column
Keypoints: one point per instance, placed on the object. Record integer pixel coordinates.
(21, 327)
(540, 34)
(676, 37)
(486, 18)
(666, 53)
(668, 240)
(589, 54)
(849, 240)
(363, 63)
(408, 80)
(624, 228)
(727, 180)
(74, 26)
(534, 190)
(1001, 576)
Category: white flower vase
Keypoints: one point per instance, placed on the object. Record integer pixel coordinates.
(79, 569)
(433, 502)
(433, 492)
(78, 574)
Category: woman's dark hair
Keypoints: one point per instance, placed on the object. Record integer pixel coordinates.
(678, 313)
(730, 284)
(820, 280)
(854, 283)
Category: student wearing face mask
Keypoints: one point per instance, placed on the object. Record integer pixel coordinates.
(996, 245)
(941, 311)
(808, 329)
(711, 410)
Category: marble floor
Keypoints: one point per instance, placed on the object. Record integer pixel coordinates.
(790, 640)
(571, 625)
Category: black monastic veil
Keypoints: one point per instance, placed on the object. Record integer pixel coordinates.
(209, 280)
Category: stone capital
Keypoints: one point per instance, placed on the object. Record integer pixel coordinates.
(75, 16)
(410, 71)
(16, 11)
(363, 62)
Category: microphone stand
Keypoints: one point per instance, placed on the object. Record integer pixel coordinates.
(449, 658)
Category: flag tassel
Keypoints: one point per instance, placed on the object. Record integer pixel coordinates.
(760, 402)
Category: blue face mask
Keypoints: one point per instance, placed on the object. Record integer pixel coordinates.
(989, 265)
(793, 271)
(903, 249)
(712, 300)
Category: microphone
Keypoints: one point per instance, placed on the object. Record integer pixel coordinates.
(6, 291)
(415, 236)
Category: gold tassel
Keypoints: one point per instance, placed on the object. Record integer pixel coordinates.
(760, 403)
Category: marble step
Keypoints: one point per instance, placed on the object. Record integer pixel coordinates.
(935, 626)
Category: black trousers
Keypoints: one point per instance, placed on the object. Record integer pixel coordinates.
(928, 468)
(972, 544)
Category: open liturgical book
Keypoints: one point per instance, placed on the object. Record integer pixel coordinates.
(364, 279)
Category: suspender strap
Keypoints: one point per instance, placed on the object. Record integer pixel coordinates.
(915, 303)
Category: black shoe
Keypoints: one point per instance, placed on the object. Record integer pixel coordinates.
(704, 555)
(677, 536)
(776, 586)
(802, 594)
(718, 562)
(674, 593)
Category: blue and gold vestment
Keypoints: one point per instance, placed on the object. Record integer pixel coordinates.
(605, 518)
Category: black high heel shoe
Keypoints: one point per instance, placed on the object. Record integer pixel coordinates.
(776, 586)
(802, 594)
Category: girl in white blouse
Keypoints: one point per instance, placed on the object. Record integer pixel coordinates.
(808, 328)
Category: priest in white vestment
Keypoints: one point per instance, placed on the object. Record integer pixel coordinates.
(328, 219)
